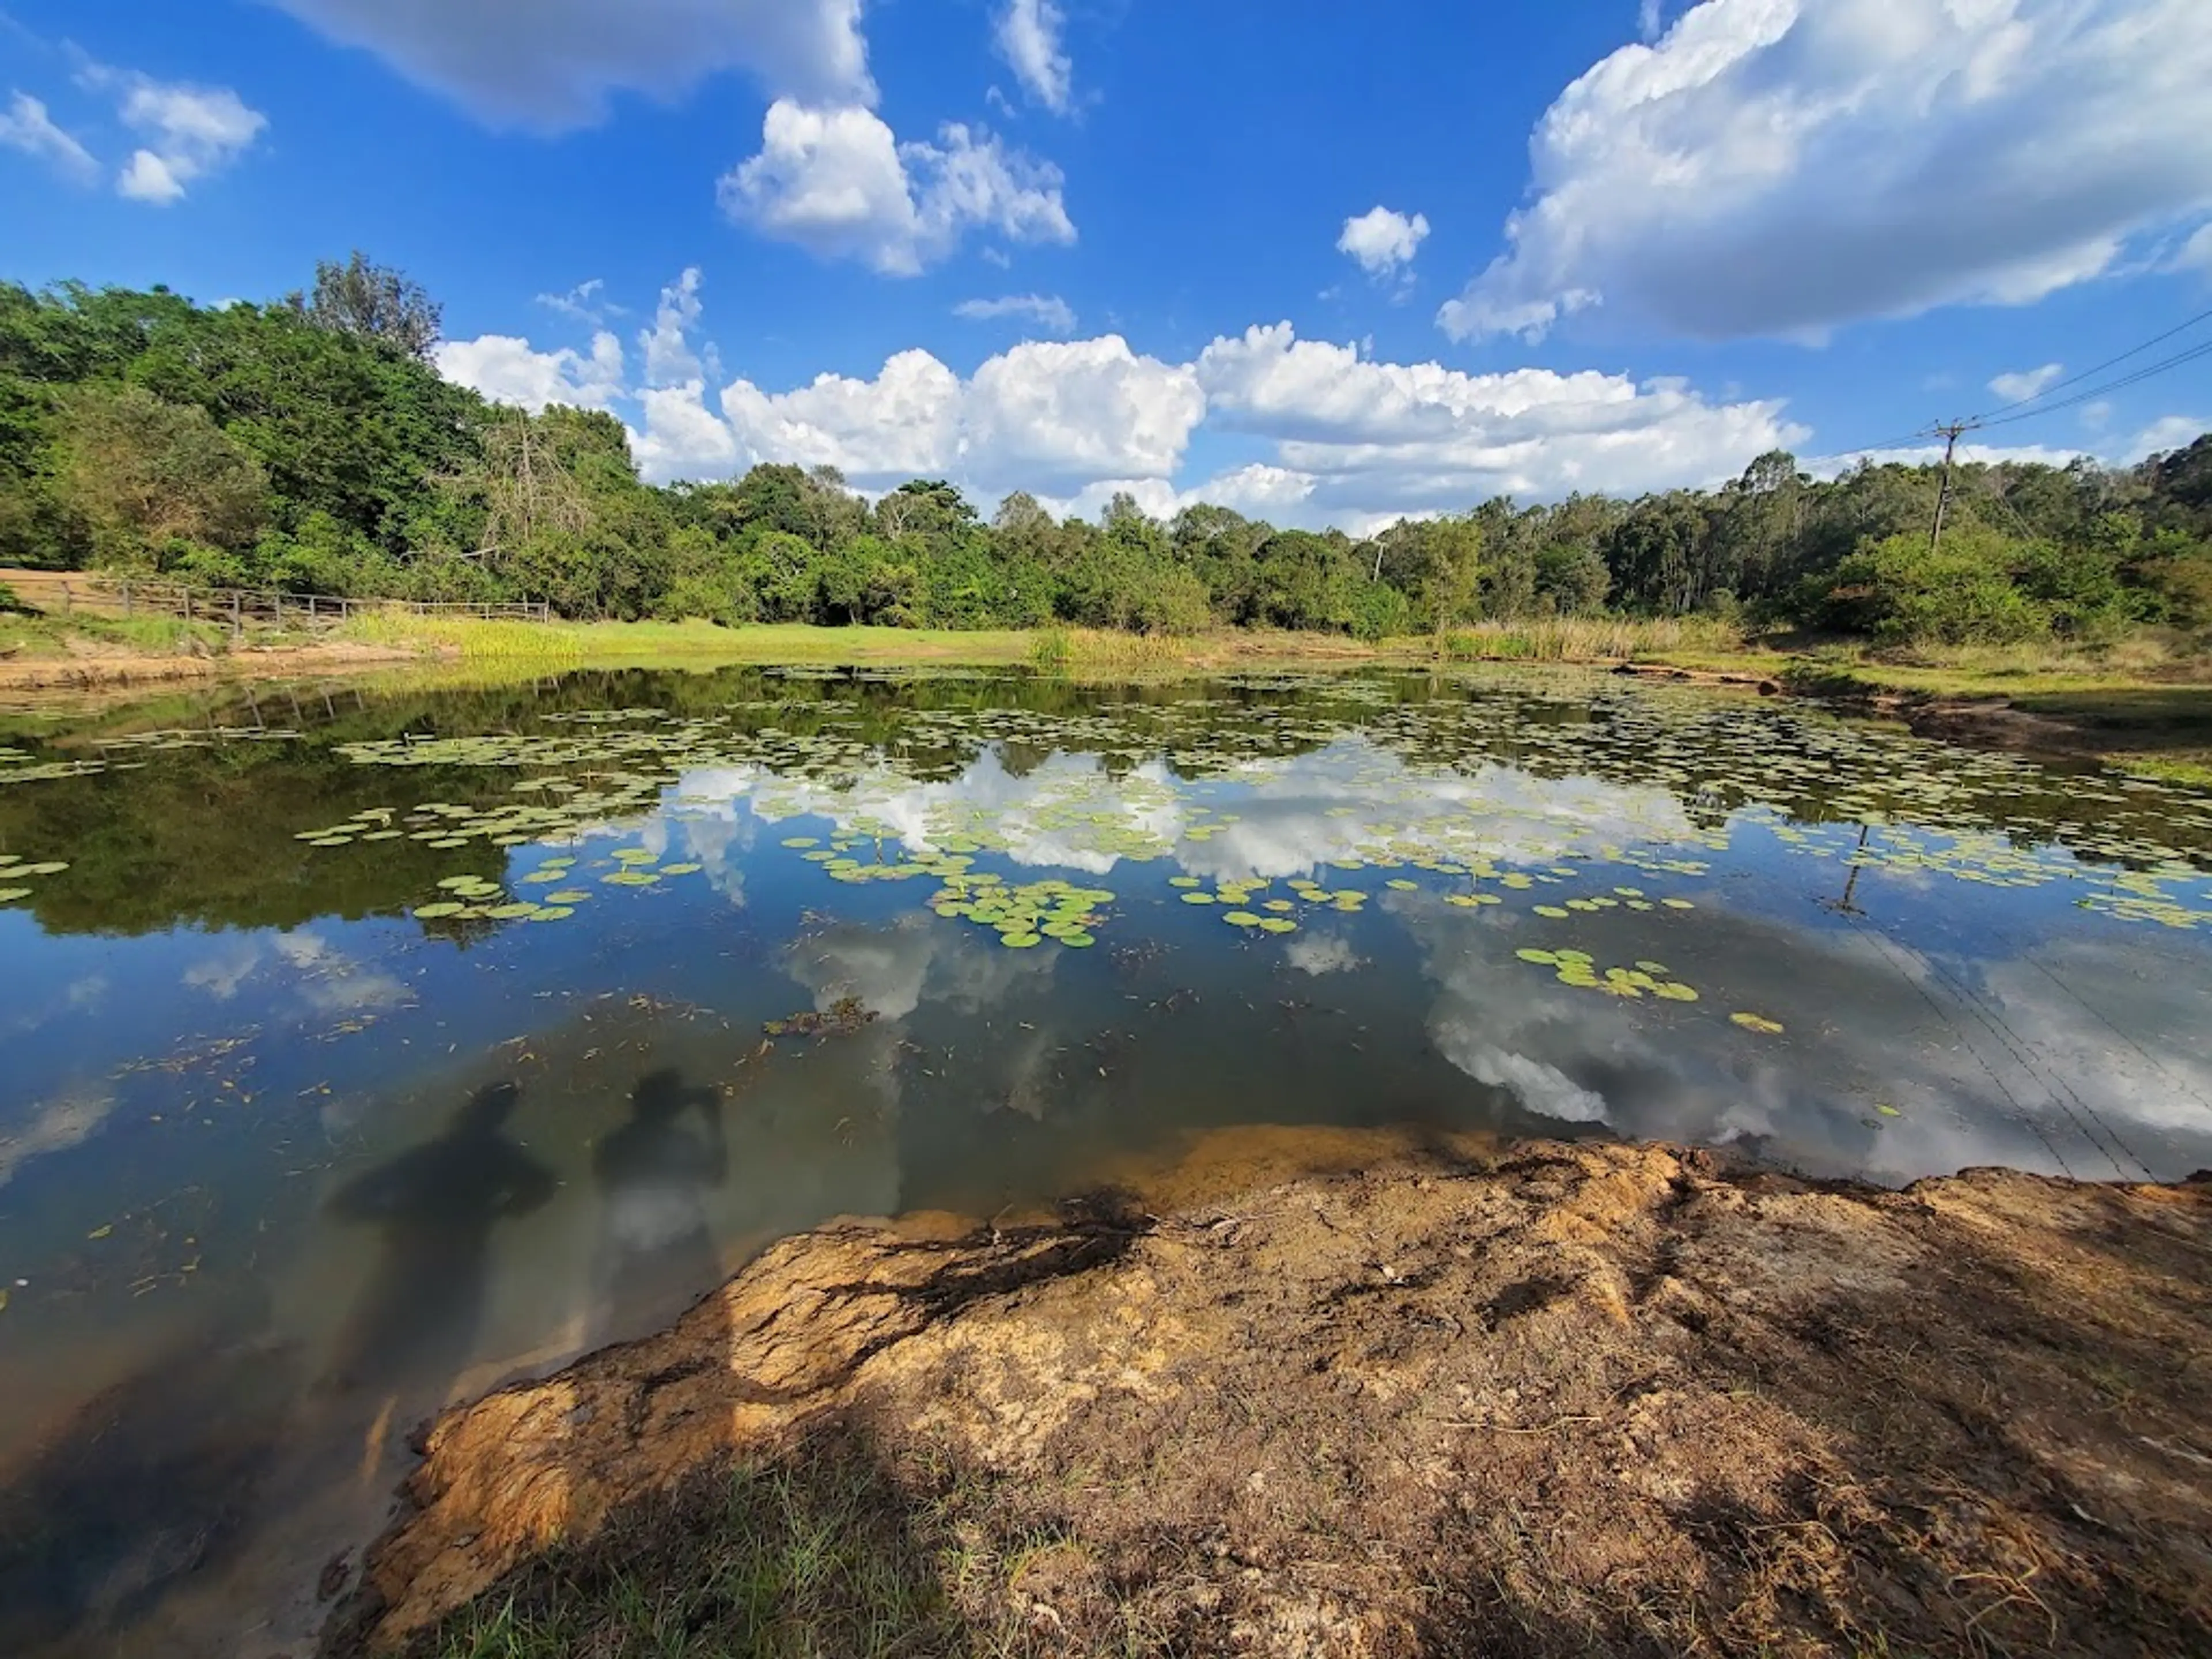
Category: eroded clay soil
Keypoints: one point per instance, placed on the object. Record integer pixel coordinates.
(1556, 1399)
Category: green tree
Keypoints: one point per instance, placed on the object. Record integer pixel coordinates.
(363, 298)
(151, 479)
(1900, 590)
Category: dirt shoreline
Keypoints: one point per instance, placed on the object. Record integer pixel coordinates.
(94, 671)
(1430, 1397)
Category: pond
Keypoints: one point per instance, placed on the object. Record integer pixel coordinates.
(363, 1050)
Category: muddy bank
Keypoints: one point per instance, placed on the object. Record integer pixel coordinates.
(94, 669)
(1558, 1399)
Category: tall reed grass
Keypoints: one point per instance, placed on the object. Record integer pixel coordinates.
(1586, 639)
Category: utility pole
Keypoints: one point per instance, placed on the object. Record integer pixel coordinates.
(1949, 433)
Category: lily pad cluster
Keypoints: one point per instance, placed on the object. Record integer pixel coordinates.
(1584, 797)
(1580, 969)
(1024, 917)
(16, 874)
(472, 898)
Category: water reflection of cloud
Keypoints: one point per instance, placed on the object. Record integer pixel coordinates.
(83, 995)
(327, 980)
(2092, 1011)
(56, 1124)
(2000, 1063)
(716, 835)
(221, 974)
(1317, 954)
(891, 969)
(1290, 817)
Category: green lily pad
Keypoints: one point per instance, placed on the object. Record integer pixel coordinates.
(434, 912)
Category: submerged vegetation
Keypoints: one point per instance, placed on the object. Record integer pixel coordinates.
(311, 446)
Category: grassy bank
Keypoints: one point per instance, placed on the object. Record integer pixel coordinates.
(2144, 702)
(32, 637)
(1076, 651)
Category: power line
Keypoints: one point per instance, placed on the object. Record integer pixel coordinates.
(2005, 414)
(2075, 379)
(2096, 391)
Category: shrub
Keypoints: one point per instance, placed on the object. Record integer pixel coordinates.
(1902, 593)
(1380, 612)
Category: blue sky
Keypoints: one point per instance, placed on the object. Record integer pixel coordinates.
(1325, 265)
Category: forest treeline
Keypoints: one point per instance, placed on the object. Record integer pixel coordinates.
(309, 445)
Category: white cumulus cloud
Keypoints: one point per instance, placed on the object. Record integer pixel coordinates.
(507, 370)
(904, 424)
(1049, 312)
(1044, 416)
(1343, 438)
(1029, 36)
(836, 181)
(1381, 438)
(189, 131)
(2023, 384)
(553, 65)
(1049, 412)
(669, 359)
(1381, 241)
(1777, 167)
(587, 302)
(26, 125)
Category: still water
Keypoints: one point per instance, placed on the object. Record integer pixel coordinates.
(359, 1051)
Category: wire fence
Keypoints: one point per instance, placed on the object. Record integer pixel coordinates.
(235, 607)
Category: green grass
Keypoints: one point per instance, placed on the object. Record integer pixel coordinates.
(570, 644)
(30, 635)
(819, 1554)
(1591, 639)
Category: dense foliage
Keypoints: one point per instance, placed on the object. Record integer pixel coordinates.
(310, 445)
